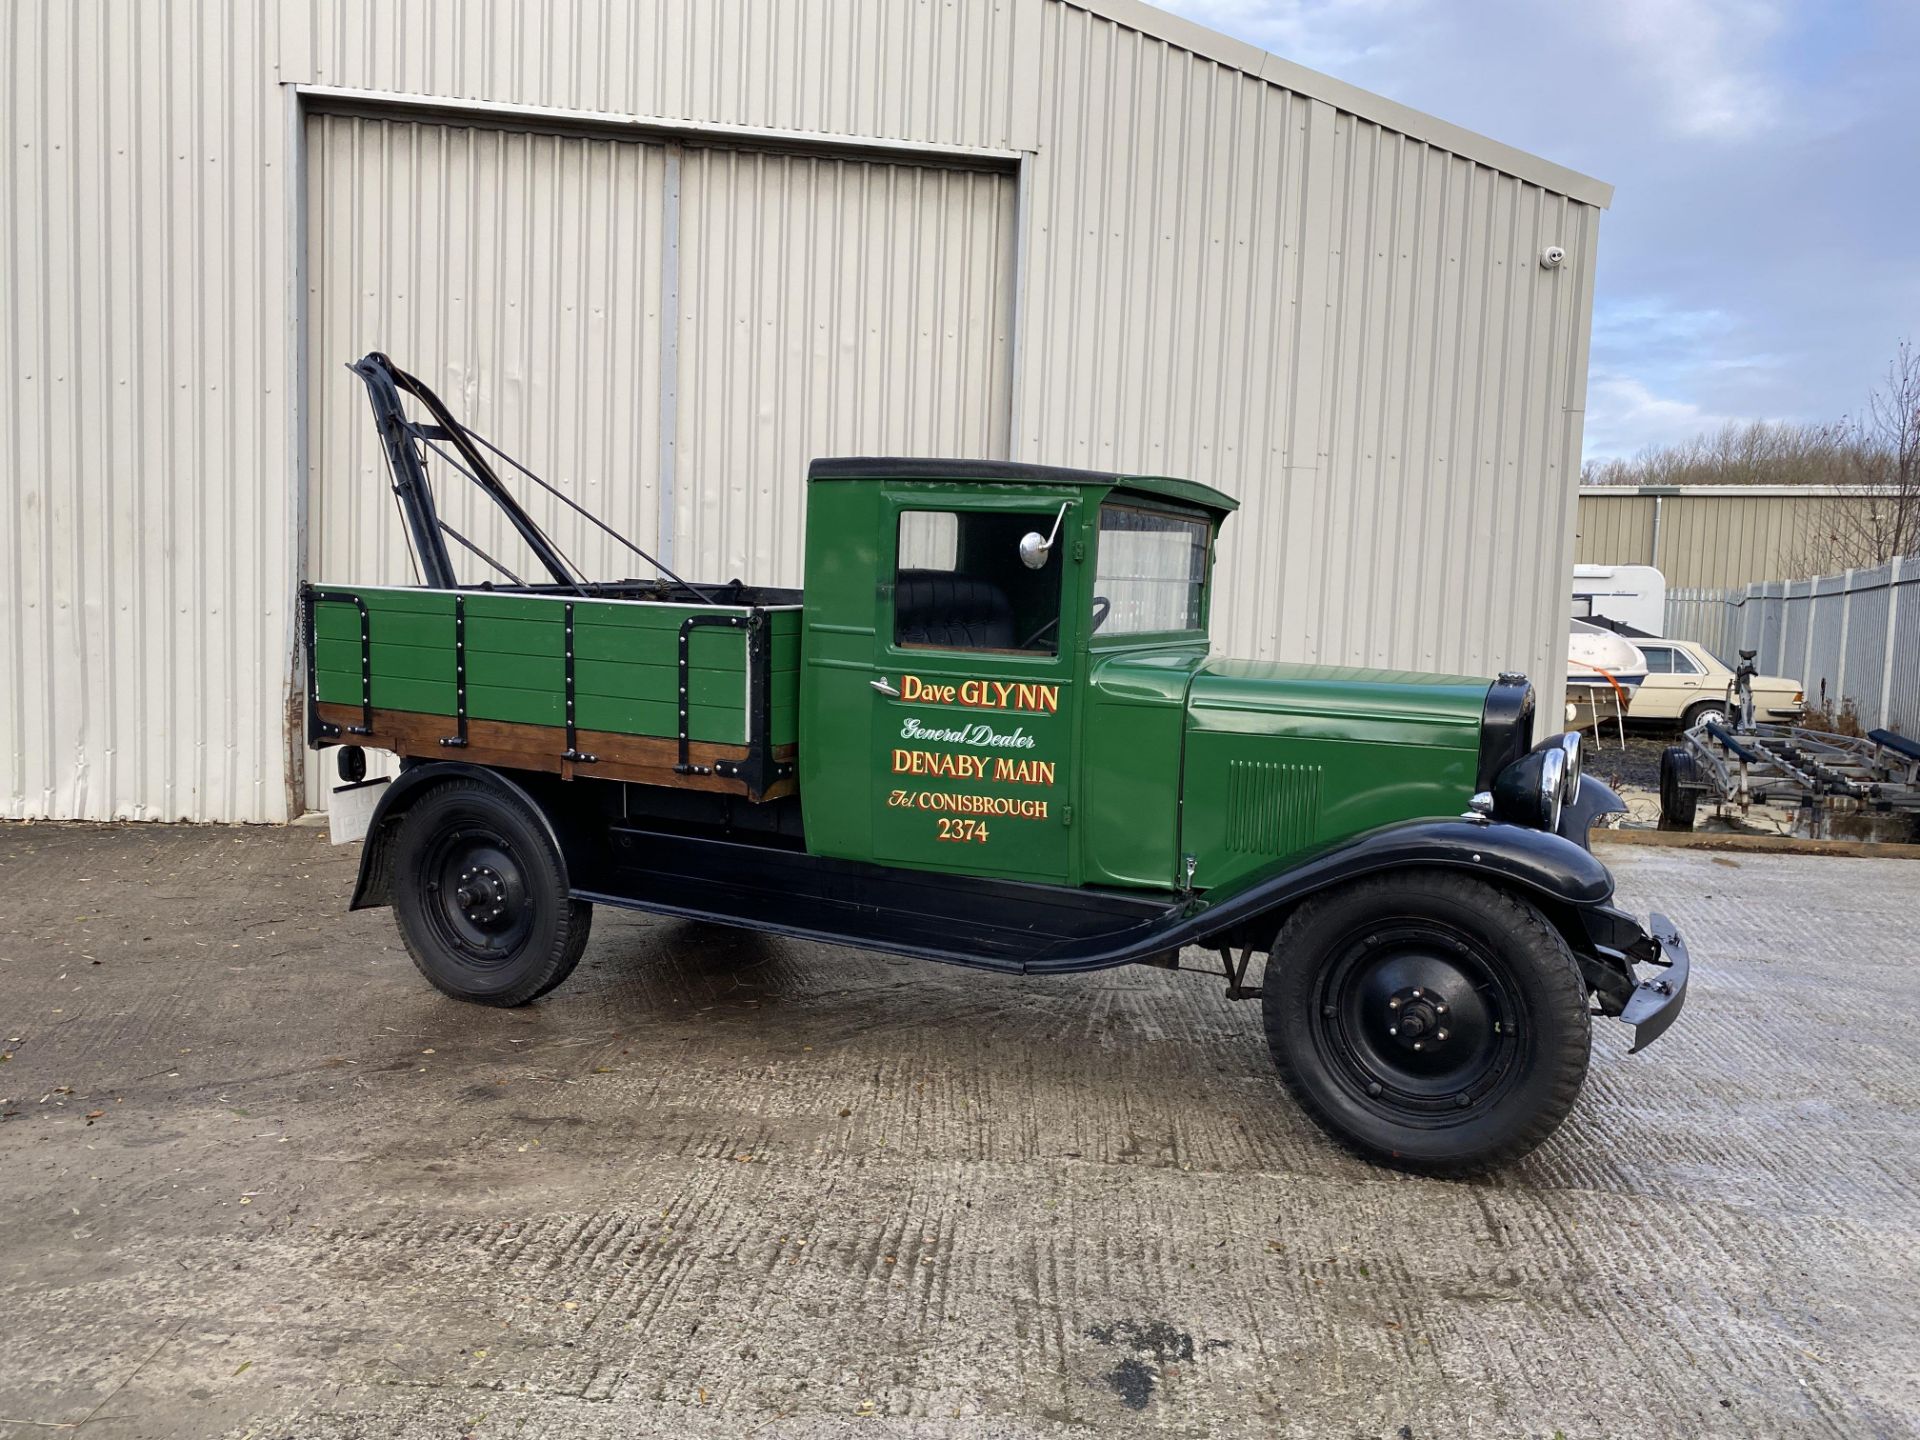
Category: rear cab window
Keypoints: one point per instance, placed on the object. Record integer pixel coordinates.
(959, 583)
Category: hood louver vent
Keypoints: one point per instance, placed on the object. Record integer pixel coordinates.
(1272, 809)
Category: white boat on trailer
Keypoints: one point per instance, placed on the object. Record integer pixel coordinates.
(1603, 671)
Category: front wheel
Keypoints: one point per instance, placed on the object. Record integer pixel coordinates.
(481, 895)
(1427, 1021)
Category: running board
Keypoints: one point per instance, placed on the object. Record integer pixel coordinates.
(993, 924)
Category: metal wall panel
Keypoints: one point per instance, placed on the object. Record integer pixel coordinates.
(144, 500)
(828, 307)
(1715, 541)
(1345, 328)
(1862, 669)
(1711, 536)
(1847, 637)
(944, 72)
(1615, 530)
(1218, 276)
(1901, 690)
(1709, 616)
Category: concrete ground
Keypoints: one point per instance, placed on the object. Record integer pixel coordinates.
(258, 1179)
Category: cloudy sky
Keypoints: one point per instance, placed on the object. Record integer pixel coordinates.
(1762, 256)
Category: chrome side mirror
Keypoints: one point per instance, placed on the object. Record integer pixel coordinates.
(1035, 550)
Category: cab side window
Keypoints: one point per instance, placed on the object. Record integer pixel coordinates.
(1659, 659)
(959, 583)
(1683, 663)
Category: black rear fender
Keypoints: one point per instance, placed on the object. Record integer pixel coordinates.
(375, 885)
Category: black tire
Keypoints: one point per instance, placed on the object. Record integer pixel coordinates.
(1704, 710)
(1353, 966)
(481, 896)
(1679, 805)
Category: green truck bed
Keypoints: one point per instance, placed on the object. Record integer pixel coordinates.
(573, 684)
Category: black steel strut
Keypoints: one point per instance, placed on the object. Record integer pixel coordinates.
(409, 475)
(385, 380)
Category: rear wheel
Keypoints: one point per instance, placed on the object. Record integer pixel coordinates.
(481, 895)
(1427, 1021)
(1679, 805)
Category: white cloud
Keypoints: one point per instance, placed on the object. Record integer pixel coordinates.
(1704, 61)
(1329, 35)
(1624, 416)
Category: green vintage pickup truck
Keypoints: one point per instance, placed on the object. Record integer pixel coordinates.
(990, 731)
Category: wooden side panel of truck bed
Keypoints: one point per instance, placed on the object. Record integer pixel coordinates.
(531, 671)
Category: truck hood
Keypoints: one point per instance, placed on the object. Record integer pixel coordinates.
(1337, 702)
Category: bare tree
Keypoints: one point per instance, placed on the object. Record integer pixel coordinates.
(1872, 529)
(1759, 452)
(1877, 450)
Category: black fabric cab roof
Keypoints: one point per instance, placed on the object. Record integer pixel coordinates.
(1011, 472)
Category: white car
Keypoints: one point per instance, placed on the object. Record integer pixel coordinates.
(1686, 685)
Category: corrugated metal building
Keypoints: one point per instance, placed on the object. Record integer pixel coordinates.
(1715, 535)
(667, 250)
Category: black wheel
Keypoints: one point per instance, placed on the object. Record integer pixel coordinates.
(481, 895)
(1678, 804)
(1427, 1021)
(1705, 710)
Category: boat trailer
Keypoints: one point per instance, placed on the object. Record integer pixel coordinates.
(1815, 770)
(1818, 771)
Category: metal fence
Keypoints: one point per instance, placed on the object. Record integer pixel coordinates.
(1853, 637)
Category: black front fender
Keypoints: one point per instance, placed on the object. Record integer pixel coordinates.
(1550, 867)
(375, 884)
(1542, 863)
(1512, 855)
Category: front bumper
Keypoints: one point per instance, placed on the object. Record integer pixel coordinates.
(1656, 1002)
(1616, 947)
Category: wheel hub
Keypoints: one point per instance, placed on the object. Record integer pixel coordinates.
(479, 899)
(1418, 1019)
(482, 894)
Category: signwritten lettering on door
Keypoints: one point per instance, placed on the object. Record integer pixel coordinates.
(968, 752)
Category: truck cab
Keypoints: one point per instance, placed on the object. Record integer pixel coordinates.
(988, 731)
(1006, 672)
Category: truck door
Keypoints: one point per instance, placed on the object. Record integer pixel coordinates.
(973, 685)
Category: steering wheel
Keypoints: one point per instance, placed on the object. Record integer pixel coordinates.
(1102, 607)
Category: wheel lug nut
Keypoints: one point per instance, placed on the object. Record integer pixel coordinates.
(1373, 1087)
(1419, 1045)
(1440, 1035)
(1393, 1029)
(1439, 1009)
(1394, 1003)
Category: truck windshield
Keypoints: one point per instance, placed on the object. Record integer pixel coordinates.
(1152, 570)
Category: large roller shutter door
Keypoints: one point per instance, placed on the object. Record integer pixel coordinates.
(828, 307)
(667, 332)
(517, 274)
(815, 306)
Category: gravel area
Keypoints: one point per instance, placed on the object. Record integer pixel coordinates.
(260, 1180)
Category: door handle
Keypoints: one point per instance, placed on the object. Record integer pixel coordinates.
(885, 687)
